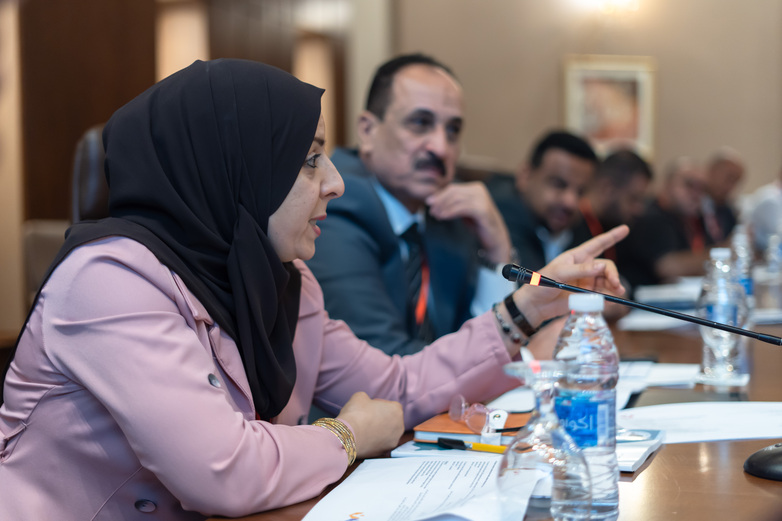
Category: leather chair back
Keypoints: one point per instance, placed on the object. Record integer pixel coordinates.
(90, 192)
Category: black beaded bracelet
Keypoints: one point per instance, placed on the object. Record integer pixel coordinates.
(518, 317)
(514, 336)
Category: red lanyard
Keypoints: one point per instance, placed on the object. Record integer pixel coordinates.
(595, 228)
(696, 235)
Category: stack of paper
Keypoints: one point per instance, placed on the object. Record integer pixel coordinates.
(415, 489)
(634, 446)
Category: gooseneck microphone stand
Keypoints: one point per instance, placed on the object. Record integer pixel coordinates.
(765, 463)
(516, 273)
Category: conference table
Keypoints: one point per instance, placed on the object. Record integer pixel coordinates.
(686, 481)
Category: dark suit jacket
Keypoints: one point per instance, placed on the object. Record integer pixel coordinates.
(360, 268)
(522, 223)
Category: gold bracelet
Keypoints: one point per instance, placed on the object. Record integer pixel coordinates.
(343, 433)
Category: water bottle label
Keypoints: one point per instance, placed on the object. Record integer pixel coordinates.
(749, 287)
(588, 417)
(724, 313)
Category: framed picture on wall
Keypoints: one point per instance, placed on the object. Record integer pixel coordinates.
(610, 100)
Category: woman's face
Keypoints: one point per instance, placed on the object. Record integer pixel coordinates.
(293, 227)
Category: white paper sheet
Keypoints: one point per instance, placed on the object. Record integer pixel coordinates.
(766, 316)
(685, 291)
(672, 375)
(408, 489)
(639, 320)
(707, 421)
(520, 399)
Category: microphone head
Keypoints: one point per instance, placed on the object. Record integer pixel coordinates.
(510, 272)
(516, 273)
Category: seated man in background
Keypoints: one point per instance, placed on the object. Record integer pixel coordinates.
(764, 213)
(540, 204)
(669, 240)
(617, 195)
(404, 254)
(724, 173)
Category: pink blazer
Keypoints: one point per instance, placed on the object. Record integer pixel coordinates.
(126, 401)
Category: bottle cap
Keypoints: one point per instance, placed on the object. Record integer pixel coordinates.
(719, 253)
(585, 302)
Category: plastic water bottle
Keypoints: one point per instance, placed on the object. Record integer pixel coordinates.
(723, 300)
(741, 245)
(768, 276)
(773, 254)
(586, 400)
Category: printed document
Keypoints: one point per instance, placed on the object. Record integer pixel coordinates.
(707, 421)
(416, 489)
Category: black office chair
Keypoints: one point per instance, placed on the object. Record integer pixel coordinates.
(89, 190)
(89, 200)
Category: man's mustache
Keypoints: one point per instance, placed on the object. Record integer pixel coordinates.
(569, 212)
(431, 161)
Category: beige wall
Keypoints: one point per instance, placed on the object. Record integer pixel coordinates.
(719, 70)
(11, 279)
(181, 35)
(369, 44)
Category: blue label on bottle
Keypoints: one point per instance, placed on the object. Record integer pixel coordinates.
(724, 313)
(587, 416)
(749, 286)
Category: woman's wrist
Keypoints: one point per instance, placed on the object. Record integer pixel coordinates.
(518, 317)
(508, 329)
(527, 308)
(341, 430)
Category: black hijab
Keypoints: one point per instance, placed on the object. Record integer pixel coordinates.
(196, 165)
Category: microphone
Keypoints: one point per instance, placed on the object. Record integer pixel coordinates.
(515, 273)
(765, 463)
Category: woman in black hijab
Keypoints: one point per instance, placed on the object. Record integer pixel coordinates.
(175, 348)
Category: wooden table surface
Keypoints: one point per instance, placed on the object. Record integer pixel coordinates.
(686, 481)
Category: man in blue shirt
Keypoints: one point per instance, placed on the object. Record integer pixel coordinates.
(401, 174)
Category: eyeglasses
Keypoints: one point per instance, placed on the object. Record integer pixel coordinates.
(473, 415)
(476, 415)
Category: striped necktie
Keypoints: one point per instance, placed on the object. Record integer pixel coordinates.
(417, 273)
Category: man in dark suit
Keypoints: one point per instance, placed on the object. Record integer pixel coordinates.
(540, 203)
(400, 175)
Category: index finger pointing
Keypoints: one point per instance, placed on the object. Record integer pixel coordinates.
(598, 244)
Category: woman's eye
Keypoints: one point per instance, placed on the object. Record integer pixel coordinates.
(312, 162)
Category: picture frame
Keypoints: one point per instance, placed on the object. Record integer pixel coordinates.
(609, 100)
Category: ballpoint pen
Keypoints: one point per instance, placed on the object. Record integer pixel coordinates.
(450, 443)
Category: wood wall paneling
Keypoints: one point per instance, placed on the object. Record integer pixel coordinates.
(80, 61)
(260, 30)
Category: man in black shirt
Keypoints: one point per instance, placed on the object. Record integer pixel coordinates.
(669, 240)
